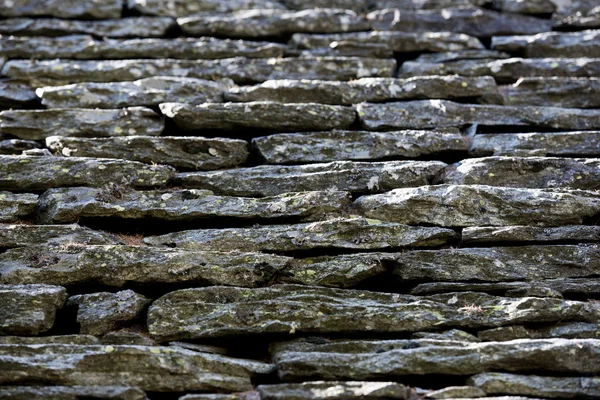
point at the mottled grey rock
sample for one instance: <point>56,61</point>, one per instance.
<point>353,233</point>
<point>582,144</point>
<point>566,330</point>
<point>72,392</point>
<point>150,368</point>
<point>62,339</point>
<point>17,146</point>
<point>457,392</point>
<point>480,205</point>
<point>448,56</point>
<point>40,173</point>
<point>197,153</point>
<point>127,336</point>
<point>200,347</point>
<point>95,9</point>
<point>557,92</point>
<point>344,49</point>
<point>519,6</point>
<point>114,266</point>
<point>381,359</point>
<point>321,390</point>
<point>472,21</point>
<point>37,153</point>
<point>290,309</point>
<point>269,23</point>
<point>452,334</point>
<point>291,148</point>
<point>532,385</point>
<point>249,395</point>
<point>183,8</point>
<point>39,124</point>
<point>575,233</point>
<point>117,28</point>
<point>577,14</point>
<point>29,309</point>
<point>551,44</point>
<point>52,235</point>
<point>441,113</point>
<point>14,206</point>
<point>100,313</point>
<point>365,89</point>
<point>16,95</point>
<point>369,5</point>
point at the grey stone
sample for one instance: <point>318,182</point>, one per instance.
<point>200,347</point>
<point>95,9</point>
<point>447,56</point>
<point>369,5</point>
<point>40,173</point>
<point>321,390</point>
<point>519,6</point>
<point>29,309</point>
<point>62,339</point>
<point>531,234</point>
<point>127,336</point>
<point>183,8</point>
<point>259,115</point>
<point>452,334</point>
<point>557,92</point>
<point>150,368</point>
<point>17,146</point>
<point>52,235</point>
<point>344,49</point>
<point>16,95</point>
<point>115,266</point>
<point>37,153</point>
<point>100,313</point>
<point>249,395</point>
<point>457,392</point>
<point>442,113</point>
<point>14,206</point>
<point>39,124</point>
<point>576,14</point>
<point>480,205</point>
<point>196,153</point>
<point>356,177</point>
<point>551,44</point>
<point>72,393</point>
<point>566,330</point>
<point>270,23</point>
<point>337,145</point>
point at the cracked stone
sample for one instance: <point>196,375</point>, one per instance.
<point>95,9</point>
<point>72,392</point>
<point>322,390</point>
<point>52,235</point>
<point>14,206</point>
<point>531,234</point>
<point>183,8</point>
<point>566,330</point>
<point>551,44</point>
<point>558,92</point>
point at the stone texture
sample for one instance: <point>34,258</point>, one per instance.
<point>440,113</point>
<point>150,368</point>
<point>470,54</point>
<point>576,14</point>
<point>356,177</point>
<point>519,6</point>
<point>557,92</point>
<point>249,395</point>
<point>334,390</point>
<point>369,5</point>
<point>183,8</point>
<point>196,153</point>
<point>40,173</point>
<point>452,334</point>
<point>258,115</point>
<point>95,9</point>
<point>17,146</point>
<point>336,145</point>
<point>531,234</point>
<point>126,336</point>
<point>100,313</point>
<point>566,330</point>
<point>52,235</point>
<point>14,206</point>
<point>457,392</point>
<point>61,339</point>
<point>39,124</point>
<point>72,392</point>
<point>480,205</point>
<point>115,266</point>
<point>29,309</point>
<point>16,95</point>
<point>551,44</point>
<point>292,309</point>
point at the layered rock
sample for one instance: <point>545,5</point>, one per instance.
<point>457,392</point>
<point>15,95</point>
<point>558,92</point>
<point>517,6</point>
<point>183,8</point>
<point>566,330</point>
<point>575,233</point>
<point>333,390</point>
<point>14,206</point>
<point>550,44</point>
<point>52,235</point>
<point>60,339</point>
<point>17,146</point>
<point>577,14</point>
<point>73,392</point>
<point>97,9</point>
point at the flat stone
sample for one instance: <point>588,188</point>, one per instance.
<point>150,368</point>
<point>480,205</point>
<point>272,23</point>
<point>566,330</point>
<point>100,313</point>
<point>52,235</point>
<point>576,14</point>
<point>128,337</point>
<point>550,44</point>
<point>365,89</point>
<point>41,173</point>
<point>62,339</point>
<point>14,206</point>
<point>249,395</point>
<point>470,54</point>
<point>525,172</point>
<point>97,9</point>
<point>344,49</point>
<point>114,266</point>
<point>183,8</point>
<point>258,115</point>
<point>218,311</point>
<point>369,5</point>
<point>29,309</point>
<point>457,392</point>
<point>531,234</point>
<point>558,92</point>
<point>240,69</point>
<point>518,6</point>
<point>117,28</point>
<point>356,177</point>
<point>333,390</point>
<point>582,144</point>
<point>17,146</point>
<point>533,385</point>
<point>441,113</point>
<point>16,95</point>
<point>296,148</point>
<point>39,124</point>
<point>472,21</point>
<point>72,392</point>
<point>200,347</point>
<point>196,153</point>
<point>352,233</point>
<point>383,359</point>
<point>452,334</point>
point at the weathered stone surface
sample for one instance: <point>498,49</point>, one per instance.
<point>380,359</point>
<point>365,89</point>
<point>14,95</point>
<point>39,124</point>
<point>576,13</point>
<point>16,205</point>
<point>519,6</point>
<point>96,9</point>
<point>249,395</point>
<point>354,233</point>
<point>117,28</point>
<point>29,309</point>
<point>128,337</point>
<point>100,313</point>
<point>288,309</point>
<point>568,330</point>
<point>334,390</point>
<point>240,69</point>
<point>62,339</point>
<point>269,23</point>
<point>114,266</point>
<point>532,385</point>
<point>40,173</point>
<point>440,113</point>
<point>156,369</point>
<point>526,172</point>
<point>70,204</point>
<point>52,235</point>
<point>452,334</point>
<point>197,153</point>
<point>472,21</point>
<point>200,347</point>
<point>480,205</point>
<point>291,148</point>
<point>448,56</point>
<point>183,8</point>
<point>558,92</point>
<point>17,146</point>
<point>259,115</point>
<point>369,5</point>
<point>550,44</point>
<point>344,49</point>
<point>574,233</point>
<point>72,392</point>
<point>457,392</point>
<point>582,144</point>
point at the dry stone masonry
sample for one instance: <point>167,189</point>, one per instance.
<point>299,199</point>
